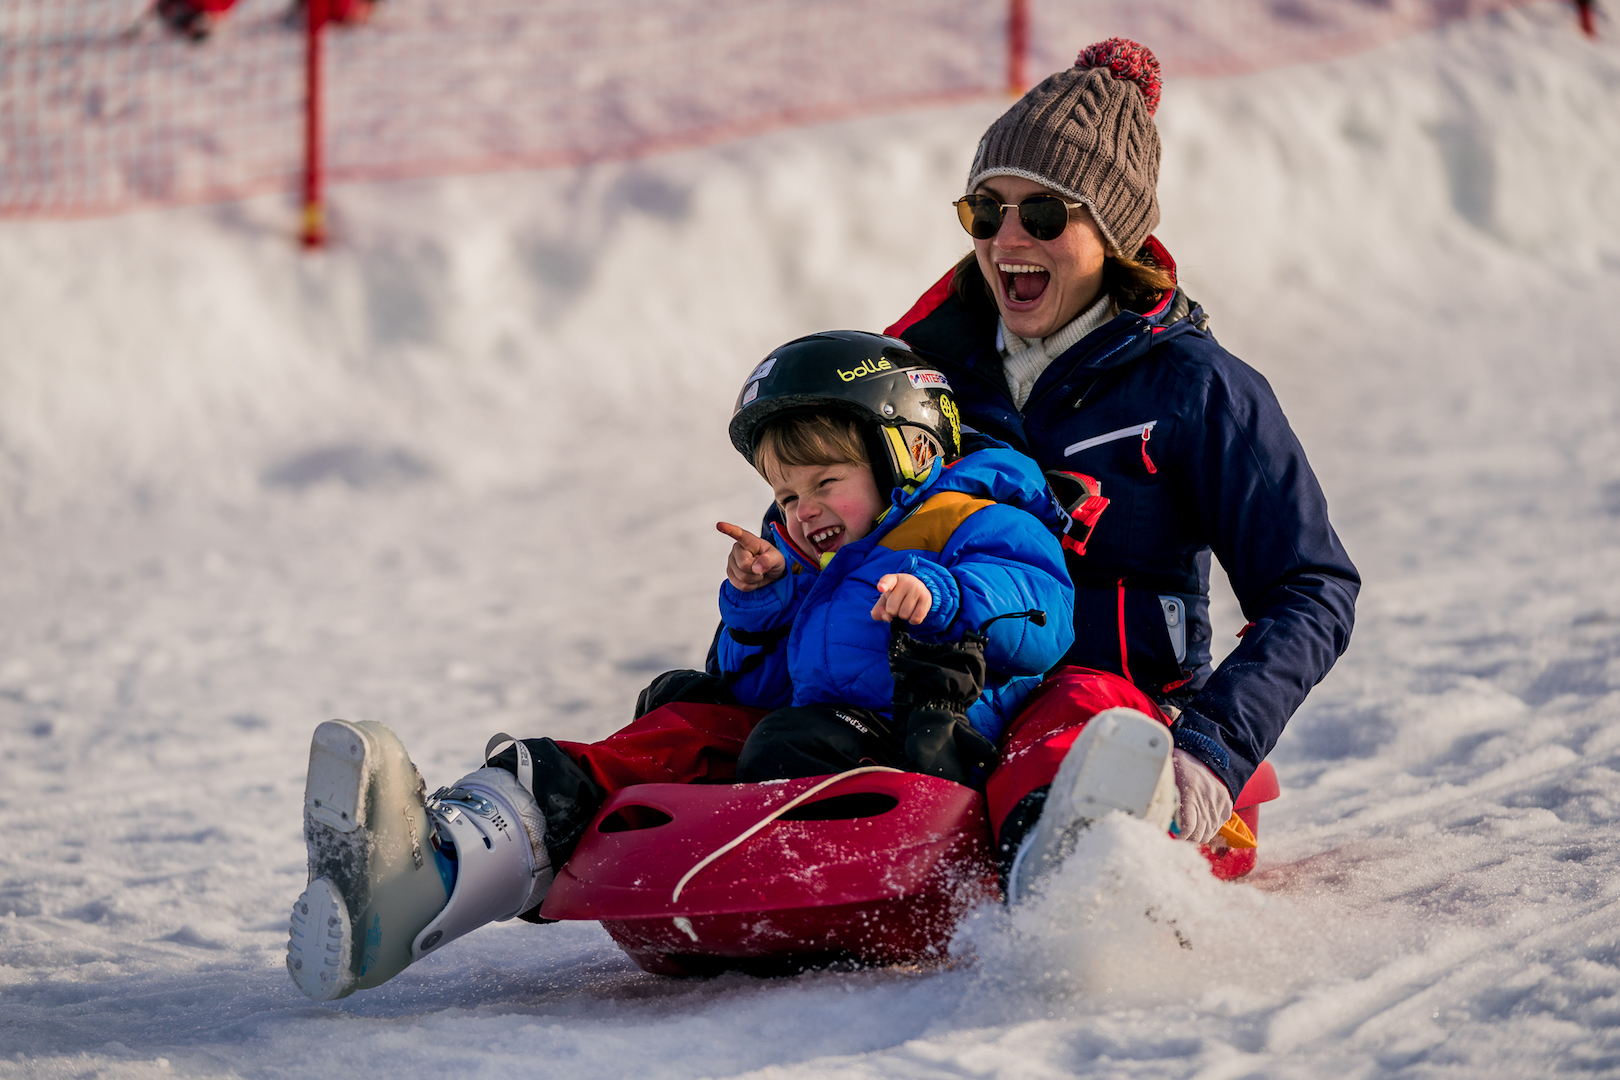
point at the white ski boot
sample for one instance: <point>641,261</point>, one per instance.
<point>392,876</point>
<point>1121,761</point>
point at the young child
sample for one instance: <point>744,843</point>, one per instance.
<point>880,519</point>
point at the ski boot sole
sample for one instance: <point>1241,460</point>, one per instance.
<point>320,942</point>
<point>339,769</point>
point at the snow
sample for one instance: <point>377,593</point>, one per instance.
<point>460,474</point>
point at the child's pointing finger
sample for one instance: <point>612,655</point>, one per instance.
<point>747,539</point>
<point>753,561</point>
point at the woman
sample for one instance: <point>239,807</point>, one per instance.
<point>1065,335</point>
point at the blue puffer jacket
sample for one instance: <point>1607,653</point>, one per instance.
<point>978,533</point>
<point>1195,456</point>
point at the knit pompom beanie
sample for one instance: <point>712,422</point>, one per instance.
<point>1087,133</point>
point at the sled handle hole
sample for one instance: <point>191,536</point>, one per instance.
<point>633,818</point>
<point>857,804</point>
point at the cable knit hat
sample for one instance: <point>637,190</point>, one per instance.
<point>1088,133</point>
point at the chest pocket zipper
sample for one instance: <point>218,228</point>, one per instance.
<point>1135,431</point>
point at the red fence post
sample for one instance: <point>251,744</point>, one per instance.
<point>1017,45</point>
<point>314,232</point>
<point>1586,12</point>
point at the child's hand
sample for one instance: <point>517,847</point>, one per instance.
<point>904,596</point>
<point>753,562</point>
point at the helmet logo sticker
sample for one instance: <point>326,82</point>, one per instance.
<point>762,369</point>
<point>948,407</point>
<point>920,379</point>
<point>863,369</point>
<point>751,393</point>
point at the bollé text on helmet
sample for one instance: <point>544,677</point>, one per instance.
<point>866,367</point>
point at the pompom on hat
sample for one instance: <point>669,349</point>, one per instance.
<point>1129,61</point>
<point>1088,134</point>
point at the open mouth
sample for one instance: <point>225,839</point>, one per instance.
<point>825,540</point>
<point>1023,283</point>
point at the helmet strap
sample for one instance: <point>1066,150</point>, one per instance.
<point>900,455</point>
<point>880,450</point>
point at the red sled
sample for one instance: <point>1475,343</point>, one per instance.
<point>1228,862</point>
<point>872,866</point>
<point>869,867</point>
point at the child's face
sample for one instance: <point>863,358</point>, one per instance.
<point>825,506</point>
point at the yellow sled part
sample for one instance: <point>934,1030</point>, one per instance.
<point>1237,834</point>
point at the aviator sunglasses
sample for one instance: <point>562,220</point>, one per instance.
<point>1043,216</point>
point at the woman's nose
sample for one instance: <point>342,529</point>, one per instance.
<point>1012,232</point>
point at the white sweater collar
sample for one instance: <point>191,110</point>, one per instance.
<point>1023,361</point>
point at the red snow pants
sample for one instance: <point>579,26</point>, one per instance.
<point>680,743</point>
<point>1053,717</point>
<point>687,743</point>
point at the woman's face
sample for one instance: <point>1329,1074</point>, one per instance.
<point>1040,285</point>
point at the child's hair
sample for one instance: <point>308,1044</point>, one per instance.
<point>810,438</point>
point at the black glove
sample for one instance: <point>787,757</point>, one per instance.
<point>934,684</point>
<point>702,688</point>
<point>694,686</point>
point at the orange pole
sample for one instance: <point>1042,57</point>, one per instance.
<point>314,231</point>
<point>1017,45</point>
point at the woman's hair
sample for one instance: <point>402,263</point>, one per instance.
<point>1138,283</point>
<point>1135,284</point>
<point>800,439</point>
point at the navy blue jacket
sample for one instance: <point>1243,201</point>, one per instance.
<point>970,533</point>
<point>1194,455</point>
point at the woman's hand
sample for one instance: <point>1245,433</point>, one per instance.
<point>753,562</point>
<point>903,596</point>
<point>1205,802</point>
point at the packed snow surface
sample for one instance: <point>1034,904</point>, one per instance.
<point>460,474</point>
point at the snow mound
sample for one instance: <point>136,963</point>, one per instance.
<point>1133,920</point>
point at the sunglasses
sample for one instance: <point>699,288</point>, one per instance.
<point>1043,216</point>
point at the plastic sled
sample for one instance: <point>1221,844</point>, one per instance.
<point>868,867</point>
<point>875,867</point>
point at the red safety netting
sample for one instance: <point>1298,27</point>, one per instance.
<point>1230,37</point>
<point>103,108</point>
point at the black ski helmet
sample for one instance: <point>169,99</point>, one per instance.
<point>903,405</point>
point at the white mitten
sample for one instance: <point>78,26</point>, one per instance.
<point>1205,802</point>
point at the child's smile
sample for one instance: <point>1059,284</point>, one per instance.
<point>826,539</point>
